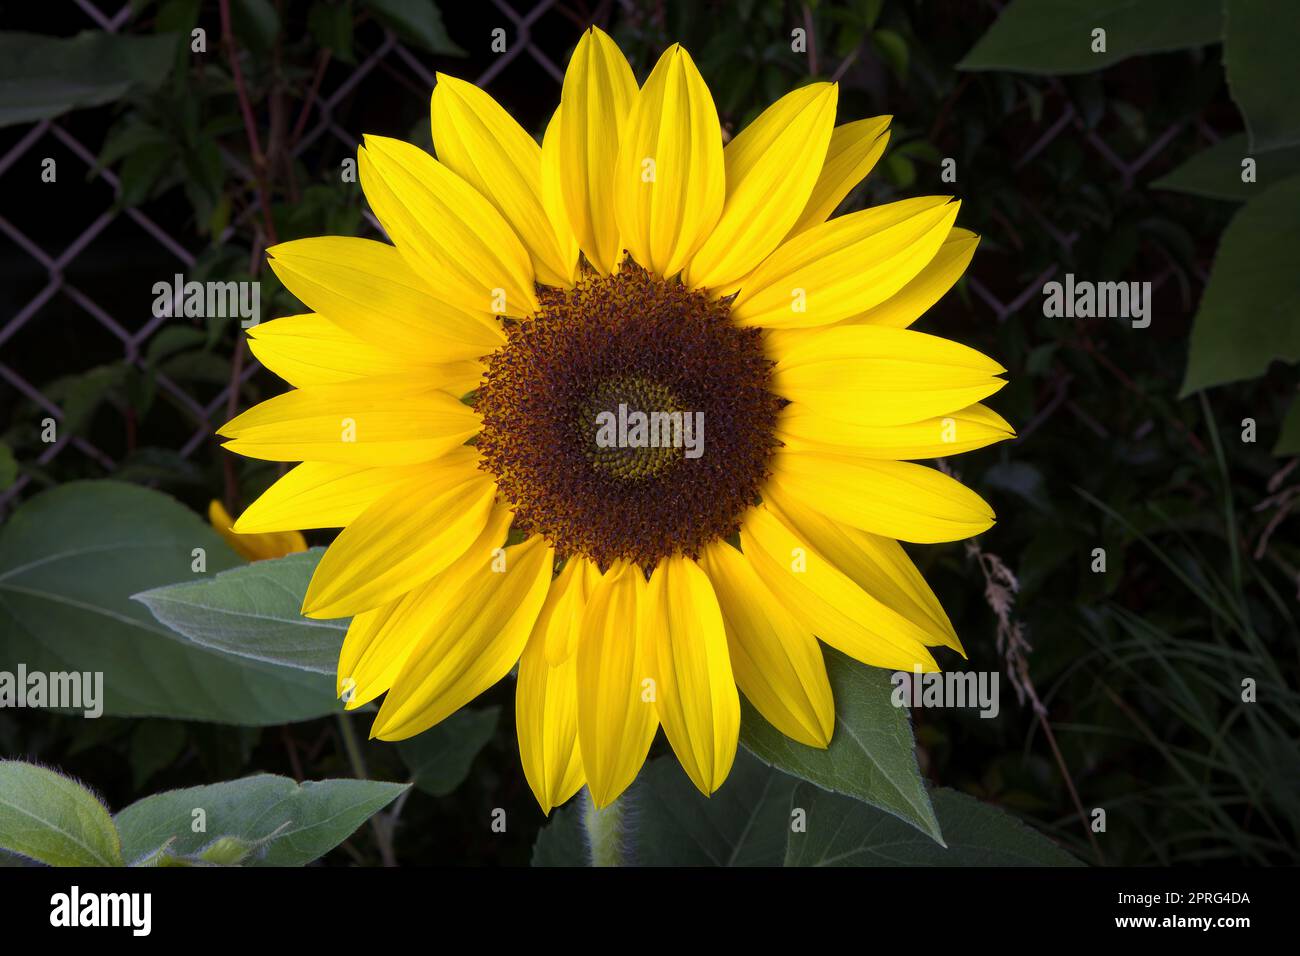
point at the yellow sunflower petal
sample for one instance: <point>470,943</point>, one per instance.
<point>844,266</point>
<point>572,585</point>
<point>695,692</point>
<point>896,499</point>
<point>404,538</point>
<point>367,288</point>
<point>854,149</point>
<point>470,643</point>
<point>827,600</point>
<point>311,350</point>
<point>446,229</point>
<point>871,375</point>
<point>776,659</point>
<point>320,495</point>
<point>878,565</point>
<point>546,705</point>
<point>480,142</point>
<point>915,299</point>
<point>670,179</point>
<point>391,421</point>
<point>771,168</point>
<point>616,711</point>
<point>553,194</point>
<point>594,105</point>
<point>254,547</point>
<point>379,641</point>
<point>963,430</point>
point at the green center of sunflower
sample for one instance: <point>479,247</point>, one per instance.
<point>629,418</point>
<point>634,458</point>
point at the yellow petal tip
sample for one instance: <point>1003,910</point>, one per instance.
<point>310,607</point>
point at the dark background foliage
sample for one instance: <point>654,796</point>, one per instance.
<point>1122,688</point>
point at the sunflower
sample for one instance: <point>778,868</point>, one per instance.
<point>448,391</point>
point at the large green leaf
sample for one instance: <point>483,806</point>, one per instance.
<point>42,77</point>
<point>843,832</point>
<point>253,611</point>
<point>1259,54</point>
<point>71,558</point>
<point>872,754</point>
<point>50,818</point>
<point>1216,172</point>
<point>1055,36</point>
<point>440,757</point>
<point>287,823</point>
<point>1247,316</point>
<point>745,823</point>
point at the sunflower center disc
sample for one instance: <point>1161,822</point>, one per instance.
<point>636,456</point>
<point>629,418</point>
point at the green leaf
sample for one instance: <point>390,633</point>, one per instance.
<point>43,77</point>
<point>128,136</point>
<point>71,558</point>
<point>900,170</point>
<point>893,50</point>
<point>1247,314</point>
<point>171,339</point>
<point>81,395</point>
<point>418,21</point>
<point>1288,441</point>
<point>872,755</point>
<point>255,22</point>
<point>440,758</point>
<point>8,466</point>
<point>53,819</point>
<point>843,832</point>
<point>563,841</point>
<point>745,823</point>
<point>291,823</point>
<point>1216,172</point>
<point>331,25</point>
<point>1021,479</point>
<point>227,851</point>
<point>253,611</point>
<point>1259,57</point>
<point>1055,36</point>
<point>178,16</point>
<point>144,172</point>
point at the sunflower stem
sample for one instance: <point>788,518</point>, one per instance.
<point>357,760</point>
<point>606,831</point>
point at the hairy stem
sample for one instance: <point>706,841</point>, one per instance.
<point>606,832</point>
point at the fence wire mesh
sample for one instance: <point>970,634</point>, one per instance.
<point>393,56</point>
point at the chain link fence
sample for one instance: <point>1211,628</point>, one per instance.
<point>392,55</point>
